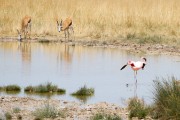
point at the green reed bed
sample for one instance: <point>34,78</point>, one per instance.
<point>137,108</point>
<point>167,99</point>
<point>44,88</point>
<point>84,91</point>
<point>10,88</point>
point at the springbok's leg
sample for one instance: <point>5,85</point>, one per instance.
<point>72,29</point>
<point>68,33</point>
<point>29,29</point>
<point>65,34</point>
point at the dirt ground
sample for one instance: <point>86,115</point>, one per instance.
<point>72,110</point>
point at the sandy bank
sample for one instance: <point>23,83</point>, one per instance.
<point>73,110</point>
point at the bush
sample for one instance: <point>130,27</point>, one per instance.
<point>167,99</point>
<point>47,88</point>
<point>84,91</point>
<point>12,88</point>
<point>46,112</point>
<point>29,89</point>
<point>103,116</point>
<point>16,110</point>
<point>8,116</point>
<point>137,108</point>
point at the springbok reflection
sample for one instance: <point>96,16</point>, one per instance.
<point>70,67</point>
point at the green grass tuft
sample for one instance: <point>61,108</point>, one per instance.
<point>46,88</point>
<point>103,116</point>
<point>8,116</point>
<point>16,110</point>
<point>84,91</point>
<point>167,99</point>
<point>12,88</point>
<point>48,111</point>
<point>137,108</point>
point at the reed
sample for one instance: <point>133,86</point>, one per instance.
<point>102,19</point>
<point>46,111</point>
<point>137,108</point>
<point>10,88</point>
<point>167,99</point>
<point>44,88</point>
<point>84,91</point>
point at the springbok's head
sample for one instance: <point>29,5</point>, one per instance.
<point>59,26</point>
<point>19,35</point>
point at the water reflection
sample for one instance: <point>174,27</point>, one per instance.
<point>70,67</point>
<point>11,92</point>
<point>25,50</point>
<point>44,95</point>
<point>82,99</point>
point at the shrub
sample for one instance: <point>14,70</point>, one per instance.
<point>103,116</point>
<point>61,91</point>
<point>137,108</point>
<point>46,112</point>
<point>8,116</point>
<point>12,88</point>
<point>16,110</point>
<point>47,88</point>
<point>29,89</point>
<point>167,99</point>
<point>84,91</point>
<point>1,88</point>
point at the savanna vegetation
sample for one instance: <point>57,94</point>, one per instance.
<point>167,99</point>
<point>48,111</point>
<point>84,91</point>
<point>140,21</point>
<point>10,88</point>
<point>44,88</point>
<point>166,104</point>
<point>105,116</point>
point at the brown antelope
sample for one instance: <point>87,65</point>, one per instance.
<point>65,26</point>
<point>25,27</point>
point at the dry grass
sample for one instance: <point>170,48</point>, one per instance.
<point>104,19</point>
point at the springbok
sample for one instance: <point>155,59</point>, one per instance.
<point>65,26</point>
<point>25,27</point>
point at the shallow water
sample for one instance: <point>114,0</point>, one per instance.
<point>72,67</point>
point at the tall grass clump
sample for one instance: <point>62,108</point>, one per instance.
<point>12,88</point>
<point>8,116</point>
<point>16,110</point>
<point>137,108</point>
<point>84,91</point>
<point>104,116</point>
<point>167,99</point>
<point>44,88</point>
<point>47,111</point>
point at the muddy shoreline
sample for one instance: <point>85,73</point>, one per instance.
<point>72,110</point>
<point>129,46</point>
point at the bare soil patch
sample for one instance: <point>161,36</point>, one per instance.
<point>72,110</point>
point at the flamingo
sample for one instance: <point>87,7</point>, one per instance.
<point>135,67</point>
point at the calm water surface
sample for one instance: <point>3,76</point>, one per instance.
<point>72,67</point>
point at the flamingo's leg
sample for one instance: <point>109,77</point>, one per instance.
<point>135,92</point>
<point>136,76</point>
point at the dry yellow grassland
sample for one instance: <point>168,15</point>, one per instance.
<point>158,20</point>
